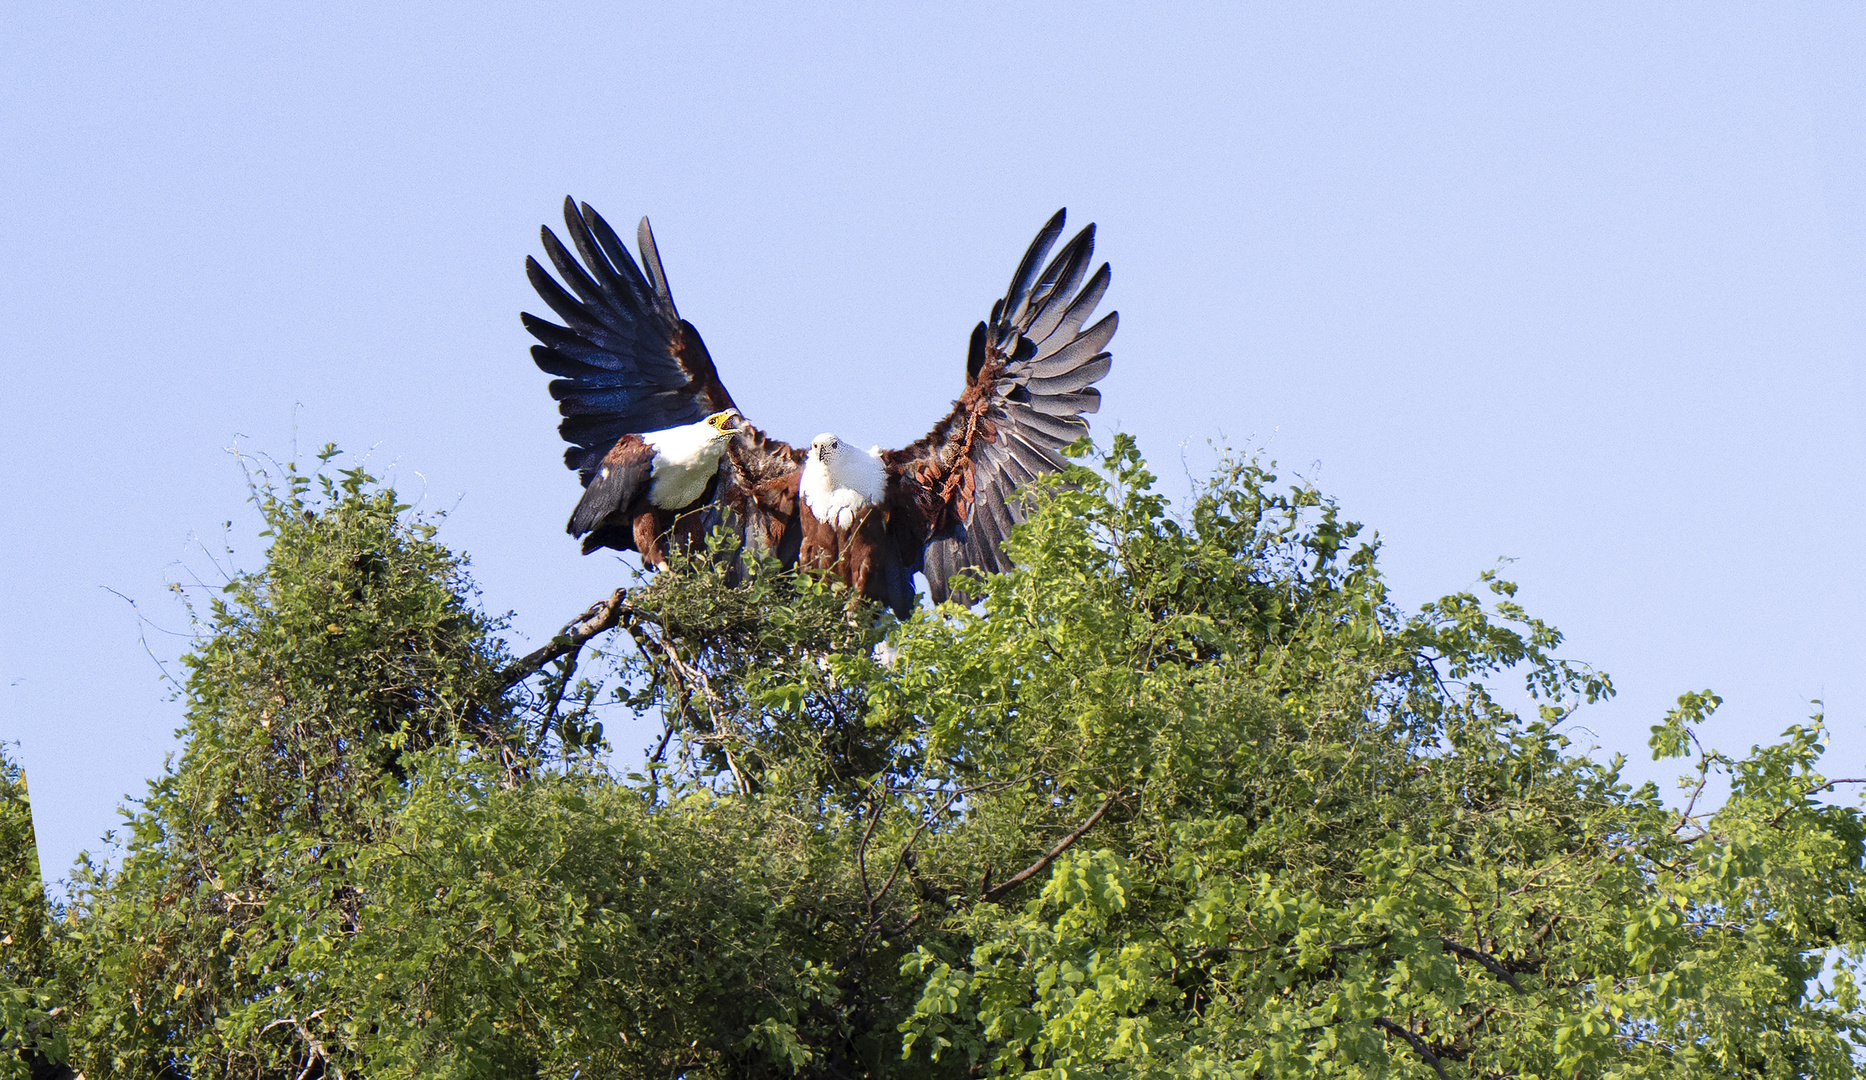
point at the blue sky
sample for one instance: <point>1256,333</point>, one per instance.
<point>1579,285</point>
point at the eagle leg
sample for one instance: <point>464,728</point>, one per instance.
<point>648,540</point>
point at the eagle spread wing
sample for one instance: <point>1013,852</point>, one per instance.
<point>1029,377</point>
<point>629,365</point>
<point>627,362</point>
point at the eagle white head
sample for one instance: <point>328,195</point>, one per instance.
<point>686,457</point>
<point>840,481</point>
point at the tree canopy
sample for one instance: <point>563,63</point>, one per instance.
<point>30,1039</point>
<point>1183,794</point>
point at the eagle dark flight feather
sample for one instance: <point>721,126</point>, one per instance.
<point>628,363</point>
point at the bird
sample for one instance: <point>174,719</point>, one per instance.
<point>651,486</point>
<point>665,455</point>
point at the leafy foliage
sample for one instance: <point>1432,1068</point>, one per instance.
<point>1183,796</point>
<point>30,1040</point>
<point>355,645</point>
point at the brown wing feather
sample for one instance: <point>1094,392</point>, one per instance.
<point>702,377</point>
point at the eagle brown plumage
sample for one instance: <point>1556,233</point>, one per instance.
<point>631,371</point>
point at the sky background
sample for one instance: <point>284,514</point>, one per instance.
<point>1577,285</point>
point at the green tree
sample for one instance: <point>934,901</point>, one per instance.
<point>1182,796</point>
<point>355,645</point>
<point>31,1043</point>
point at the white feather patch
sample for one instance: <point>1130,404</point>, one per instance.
<point>685,458</point>
<point>839,481</point>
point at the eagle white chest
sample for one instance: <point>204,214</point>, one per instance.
<point>685,459</point>
<point>839,482</point>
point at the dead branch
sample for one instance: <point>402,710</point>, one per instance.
<point>602,615</point>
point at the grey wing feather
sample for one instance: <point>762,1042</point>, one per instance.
<point>1046,368</point>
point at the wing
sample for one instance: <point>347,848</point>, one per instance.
<point>622,474</point>
<point>627,362</point>
<point>1029,377</point>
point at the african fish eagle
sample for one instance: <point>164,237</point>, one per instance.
<point>664,454</point>
<point>653,484</point>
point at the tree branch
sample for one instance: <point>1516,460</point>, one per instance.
<point>557,696</point>
<point>904,857</point>
<point>602,615</point>
<point>1418,1044</point>
<point>1049,857</point>
<point>1496,967</point>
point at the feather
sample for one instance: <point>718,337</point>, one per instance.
<point>621,478</point>
<point>651,263</point>
<point>1027,269</point>
<point>1083,375</point>
<point>1033,462</point>
<point>593,430</point>
<point>975,355</point>
<point>617,401</point>
<point>639,291</point>
<point>1081,308</point>
<point>573,273</point>
<point>577,347</point>
<point>702,377</point>
<point>1076,352</point>
<point>598,379</point>
<point>1035,456</point>
<point>583,460</point>
<point>1016,474</point>
<point>556,363</point>
<point>1000,515</point>
<point>1087,401</point>
<point>567,307</point>
<point>1059,430</point>
<point>1059,282</point>
<point>616,290</point>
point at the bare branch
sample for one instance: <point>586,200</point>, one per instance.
<point>602,615</point>
<point>141,622</point>
<point>1049,857</point>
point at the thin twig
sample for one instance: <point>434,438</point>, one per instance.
<point>557,697</point>
<point>1704,763</point>
<point>861,850</point>
<point>874,921</point>
<point>143,638</point>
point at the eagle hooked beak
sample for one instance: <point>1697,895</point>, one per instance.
<point>729,420</point>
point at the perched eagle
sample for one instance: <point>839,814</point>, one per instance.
<point>664,454</point>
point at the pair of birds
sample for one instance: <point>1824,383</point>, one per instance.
<point>665,455</point>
